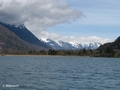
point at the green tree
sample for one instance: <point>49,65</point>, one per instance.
<point>84,51</point>
<point>108,50</point>
<point>52,52</point>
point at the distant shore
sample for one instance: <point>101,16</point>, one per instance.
<point>46,55</point>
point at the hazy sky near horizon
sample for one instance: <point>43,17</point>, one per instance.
<point>68,20</point>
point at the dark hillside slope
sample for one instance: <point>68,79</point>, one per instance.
<point>10,41</point>
<point>116,43</point>
<point>113,45</point>
<point>22,32</point>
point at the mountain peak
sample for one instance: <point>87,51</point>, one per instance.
<point>22,26</point>
<point>59,44</point>
<point>23,33</point>
<point>116,43</point>
<point>112,45</point>
<point>117,40</point>
<point>10,41</point>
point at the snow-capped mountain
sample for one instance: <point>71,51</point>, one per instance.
<point>23,33</point>
<point>70,45</point>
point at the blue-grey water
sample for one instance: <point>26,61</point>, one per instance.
<point>59,73</point>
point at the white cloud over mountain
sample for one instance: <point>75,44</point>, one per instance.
<point>73,39</point>
<point>37,15</point>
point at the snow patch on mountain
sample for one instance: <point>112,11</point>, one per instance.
<point>21,26</point>
<point>70,45</point>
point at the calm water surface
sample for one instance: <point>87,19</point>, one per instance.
<point>59,73</point>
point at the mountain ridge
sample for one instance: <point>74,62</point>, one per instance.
<point>10,41</point>
<point>112,45</point>
<point>73,46</point>
<point>23,33</point>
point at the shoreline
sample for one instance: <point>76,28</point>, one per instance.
<point>28,55</point>
<point>9,55</point>
<point>47,55</point>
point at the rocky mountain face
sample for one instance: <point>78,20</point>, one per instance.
<point>10,41</point>
<point>71,46</point>
<point>112,45</point>
<point>116,43</point>
<point>23,33</point>
<point>19,37</point>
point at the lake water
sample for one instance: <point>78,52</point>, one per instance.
<point>59,73</point>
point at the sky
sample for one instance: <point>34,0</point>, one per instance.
<point>81,21</point>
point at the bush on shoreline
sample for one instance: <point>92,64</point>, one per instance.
<point>82,52</point>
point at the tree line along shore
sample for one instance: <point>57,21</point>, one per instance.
<point>83,52</point>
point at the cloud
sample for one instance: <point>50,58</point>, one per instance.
<point>72,39</point>
<point>37,15</point>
